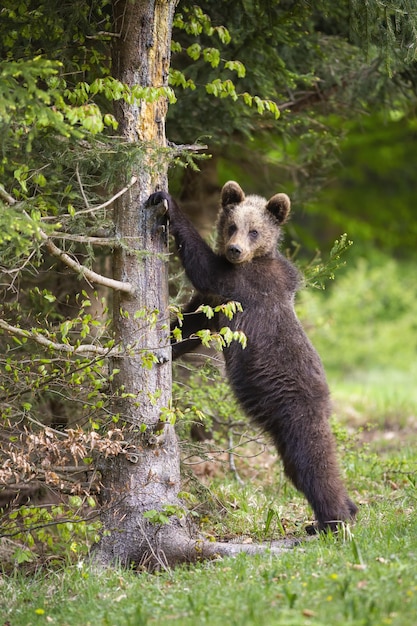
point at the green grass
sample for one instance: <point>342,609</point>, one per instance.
<point>366,577</point>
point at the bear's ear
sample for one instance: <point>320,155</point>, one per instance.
<point>231,193</point>
<point>280,206</point>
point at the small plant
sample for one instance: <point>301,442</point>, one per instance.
<point>51,533</point>
<point>318,272</point>
<point>162,517</point>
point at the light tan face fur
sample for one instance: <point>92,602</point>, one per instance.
<point>246,227</point>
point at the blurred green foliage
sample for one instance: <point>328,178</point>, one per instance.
<point>372,192</point>
<point>367,319</point>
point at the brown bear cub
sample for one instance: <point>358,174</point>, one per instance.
<point>278,378</point>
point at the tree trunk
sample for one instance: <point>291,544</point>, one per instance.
<point>147,478</point>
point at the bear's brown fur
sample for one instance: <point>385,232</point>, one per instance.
<point>278,378</point>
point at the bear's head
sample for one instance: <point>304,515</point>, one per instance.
<point>249,226</point>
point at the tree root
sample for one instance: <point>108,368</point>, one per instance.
<point>171,545</point>
<point>215,549</point>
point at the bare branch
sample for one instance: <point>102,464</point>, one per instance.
<point>60,433</point>
<point>6,196</point>
<point>133,180</point>
<point>15,272</point>
<point>100,33</point>
<point>93,241</point>
<point>232,462</point>
<point>81,187</point>
<point>186,147</point>
<point>47,343</point>
<point>10,200</point>
<point>69,261</point>
<point>81,269</point>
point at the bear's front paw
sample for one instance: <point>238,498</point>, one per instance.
<point>158,198</point>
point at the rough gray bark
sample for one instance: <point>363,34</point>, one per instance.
<point>148,477</point>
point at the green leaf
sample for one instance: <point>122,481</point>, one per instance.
<point>236,66</point>
<point>21,555</point>
<point>75,501</point>
<point>194,51</point>
<point>212,56</point>
<point>207,310</point>
<point>223,34</point>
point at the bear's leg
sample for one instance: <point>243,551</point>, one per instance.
<point>310,462</point>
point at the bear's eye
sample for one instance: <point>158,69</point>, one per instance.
<point>232,229</point>
<point>253,234</point>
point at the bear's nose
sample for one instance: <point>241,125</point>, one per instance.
<point>234,251</point>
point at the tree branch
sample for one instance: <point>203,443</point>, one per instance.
<point>69,261</point>
<point>92,241</point>
<point>6,196</point>
<point>81,187</point>
<point>81,269</point>
<point>60,347</point>
<point>133,180</point>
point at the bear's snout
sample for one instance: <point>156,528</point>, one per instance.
<point>233,253</point>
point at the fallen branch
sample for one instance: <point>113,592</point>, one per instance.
<point>209,549</point>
